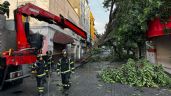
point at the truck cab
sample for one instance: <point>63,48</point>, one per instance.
<point>10,74</point>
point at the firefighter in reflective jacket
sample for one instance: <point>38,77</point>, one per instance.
<point>4,8</point>
<point>39,69</point>
<point>65,66</point>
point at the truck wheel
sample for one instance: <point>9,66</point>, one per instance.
<point>2,81</point>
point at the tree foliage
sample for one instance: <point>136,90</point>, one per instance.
<point>128,20</point>
<point>140,73</point>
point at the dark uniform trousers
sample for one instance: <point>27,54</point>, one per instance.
<point>65,66</point>
<point>39,69</point>
<point>65,80</point>
<point>40,82</point>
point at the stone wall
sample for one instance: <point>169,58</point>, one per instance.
<point>7,37</point>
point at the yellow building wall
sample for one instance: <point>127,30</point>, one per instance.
<point>92,29</point>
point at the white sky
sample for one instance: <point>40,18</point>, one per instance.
<point>100,15</point>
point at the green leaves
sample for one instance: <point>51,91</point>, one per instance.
<point>130,22</point>
<point>140,73</point>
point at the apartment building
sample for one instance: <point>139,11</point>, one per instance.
<point>92,29</point>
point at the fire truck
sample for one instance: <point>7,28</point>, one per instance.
<point>29,44</point>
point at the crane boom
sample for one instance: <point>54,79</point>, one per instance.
<point>27,56</point>
<point>43,15</point>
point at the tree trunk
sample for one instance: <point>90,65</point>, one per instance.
<point>139,50</point>
<point>116,51</point>
<point>127,51</point>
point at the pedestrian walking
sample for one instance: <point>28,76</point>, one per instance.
<point>39,70</point>
<point>65,67</point>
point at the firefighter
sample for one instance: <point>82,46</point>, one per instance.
<point>39,70</point>
<point>65,67</point>
<point>4,8</point>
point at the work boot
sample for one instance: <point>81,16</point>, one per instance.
<point>70,84</point>
<point>63,91</point>
<point>40,94</point>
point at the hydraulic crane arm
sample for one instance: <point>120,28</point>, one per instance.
<point>22,56</point>
<point>42,15</point>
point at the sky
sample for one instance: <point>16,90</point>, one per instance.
<point>100,15</point>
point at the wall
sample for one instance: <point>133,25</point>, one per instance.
<point>159,51</point>
<point>48,33</point>
<point>7,38</point>
<point>164,51</point>
<point>92,30</point>
<point>151,51</point>
<point>76,6</point>
<point>85,17</point>
<point>64,8</point>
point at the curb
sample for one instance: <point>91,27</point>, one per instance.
<point>78,65</point>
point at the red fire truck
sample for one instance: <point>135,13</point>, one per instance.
<point>29,44</point>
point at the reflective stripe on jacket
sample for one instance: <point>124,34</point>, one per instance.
<point>39,68</point>
<point>65,65</point>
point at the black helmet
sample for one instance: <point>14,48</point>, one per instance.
<point>6,3</point>
<point>64,51</point>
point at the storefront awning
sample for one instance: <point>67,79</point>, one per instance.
<point>62,38</point>
<point>156,28</point>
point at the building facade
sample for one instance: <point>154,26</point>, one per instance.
<point>70,9</point>
<point>92,29</point>
<point>85,17</point>
<point>158,45</point>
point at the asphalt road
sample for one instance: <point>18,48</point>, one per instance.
<point>85,82</point>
